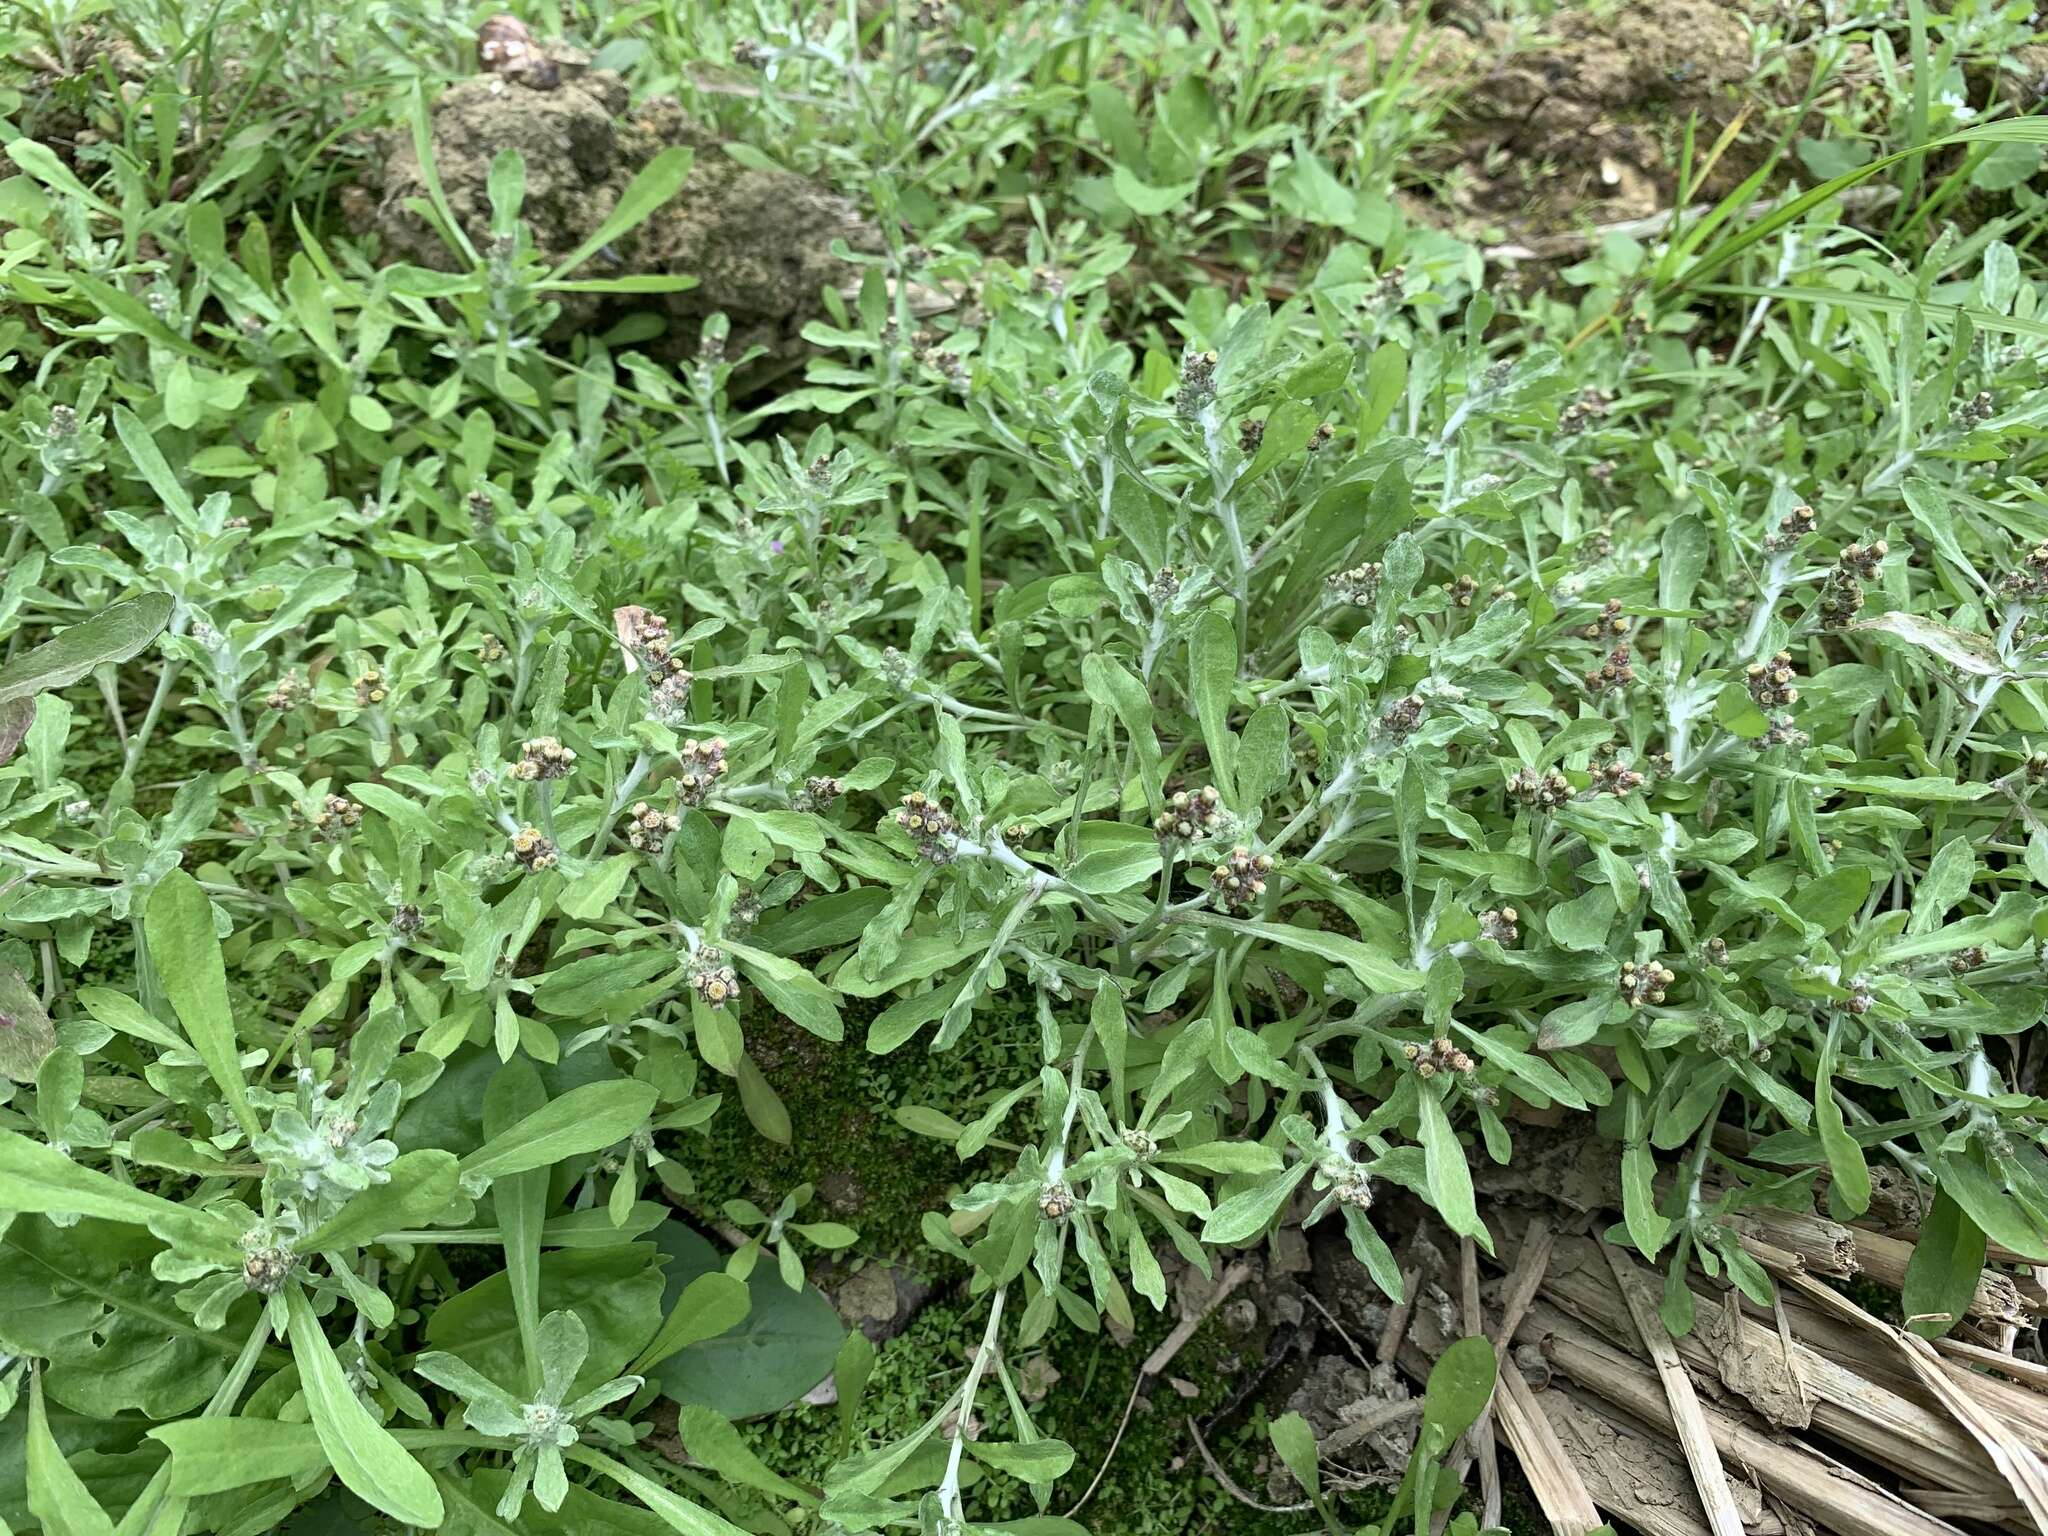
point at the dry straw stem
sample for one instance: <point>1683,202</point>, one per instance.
<point>1832,1495</point>
<point>1809,1388</point>
<point>2014,1459</point>
<point>1523,1281</point>
<point>1695,1436</point>
<point>1554,1476</point>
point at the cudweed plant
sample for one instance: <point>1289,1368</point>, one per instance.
<point>444,764</point>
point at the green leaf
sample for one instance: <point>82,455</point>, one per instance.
<point>1990,1205</point>
<point>657,181</point>
<point>1583,922</point>
<point>783,1347</point>
<point>1212,676</point>
<point>711,1304</point>
<point>421,1187</point>
<point>39,1178</point>
<point>614,1292</point>
<point>585,1119</point>
<point>1038,1462</point>
<point>1146,200</point>
<point>1296,1443</point>
<point>1448,1175</point>
<point>1945,1270</point>
<point>26,1036</point>
<point>57,1496</point>
<point>115,634</point>
<point>82,1298</point>
<point>1246,1214</point>
<point>370,1463</point>
<point>679,1514</point>
<point>1836,897</point>
<point>795,992</point>
<point>711,1438</point>
<point>1375,970</point>
<point>178,926</point>
<point>1459,1388</point>
<point>589,985</point>
<point>1844,1154</point>
<point>220,1455</point>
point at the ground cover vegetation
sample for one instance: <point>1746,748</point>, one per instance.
<point>665,665</point>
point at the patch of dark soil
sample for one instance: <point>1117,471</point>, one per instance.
<point>1582,123</point>
<point>757,240</point>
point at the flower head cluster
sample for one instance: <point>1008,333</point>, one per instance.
<point>1404,716</point>
<point>1359,586</point>
<point>1055,1201</point>
<point>1975,411</point>
<point>1189,816</point>
<point>1617,671</point>
<point>1462,590</point>
<point>645,636</point>
<point>930,825</point>
<point>336,817</point>
<point>648,827</point>
<point>1197,383</point>
<point>542,759</point>
<point>286,693</point>
<point>1539,791</point>
<point>820,791</point>
<point>702,766</point>
<point>537,1431</point>
<point>267,1269</point>
<point>1841,592</point>
<point>1792,527</point>
<point>1612,624</point>
<point>1966,960</point>
<point>1647,983</point>
<point>1588,407</point>
<point>1501,924</point>
<point>713,978</point>
<point>1782,732</point>
<point>1439,1055</point>
<point>1240,880</point>
<point>1614,777</point>
<point>2029,582</point>
<point>370,689</point>
<point>534,850</point>
<point>1771,683</point>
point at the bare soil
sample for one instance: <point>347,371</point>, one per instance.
<point>758,241</point>
<point>1582,123</point>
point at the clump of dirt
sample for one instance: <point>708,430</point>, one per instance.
<point>758,241</point>
<point>1581,122</point>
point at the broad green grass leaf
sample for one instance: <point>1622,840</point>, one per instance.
<point>1448,1175</point>
<point>114,635</point>
<point>178,924</point>
<point>1945,1270</point>
<point>56,1494</point>
<point>219,1455</point>
<point>795,992</point>
<point>370,1463</point>
<point>1844,1154</point>
<point>585,1119</point>
<point>655,183</point>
